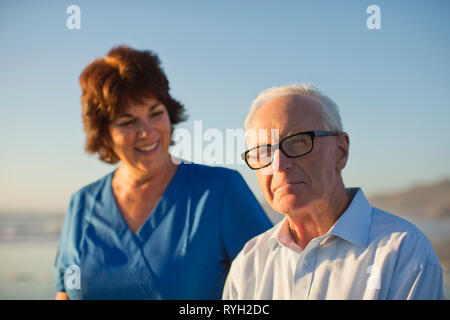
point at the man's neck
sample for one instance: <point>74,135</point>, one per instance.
<point>317,219</point>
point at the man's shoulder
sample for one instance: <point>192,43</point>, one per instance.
<point>401,235</point>
<point>388,222</point>
<point>259,246</point>
<point>385,223</point>
<point>248,266</point>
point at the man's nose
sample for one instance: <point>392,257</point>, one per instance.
<point>280,162</point>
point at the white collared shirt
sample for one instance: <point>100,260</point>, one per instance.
<point>367,254</point>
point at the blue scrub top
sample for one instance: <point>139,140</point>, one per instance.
<point>182,251</point>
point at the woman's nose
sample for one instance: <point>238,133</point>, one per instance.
<point>144,128</point>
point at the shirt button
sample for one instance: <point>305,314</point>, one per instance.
<point>305,263</point>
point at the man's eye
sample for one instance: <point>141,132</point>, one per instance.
<point>302,140</point>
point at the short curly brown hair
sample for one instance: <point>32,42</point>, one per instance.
<point>111,83</point>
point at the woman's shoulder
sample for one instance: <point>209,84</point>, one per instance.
<point>213,174</point>
<point>92,189</point>
<point>208,171</point>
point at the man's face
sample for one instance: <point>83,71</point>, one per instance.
<point>290,184</point>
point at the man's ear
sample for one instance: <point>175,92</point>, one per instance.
<point>343,150</point>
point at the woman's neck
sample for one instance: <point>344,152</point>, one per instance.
<point>132,178</point>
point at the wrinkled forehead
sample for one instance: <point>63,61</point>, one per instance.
<point>283,116</point>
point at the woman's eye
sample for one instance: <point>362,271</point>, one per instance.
<point>157,113</point>
<point>126,123</point>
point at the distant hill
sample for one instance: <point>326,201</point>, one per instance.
<point>428,201</point>
<point>420,201</point>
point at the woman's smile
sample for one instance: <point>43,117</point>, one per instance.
<point>148,149</point>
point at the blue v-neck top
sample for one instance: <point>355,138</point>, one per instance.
<point>182,251</point>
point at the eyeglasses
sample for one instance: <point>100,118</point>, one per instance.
<point>293,146</point>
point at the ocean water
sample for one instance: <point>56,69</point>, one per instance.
<point>28,248</point>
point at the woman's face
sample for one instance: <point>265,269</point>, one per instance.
<point>141,136</point>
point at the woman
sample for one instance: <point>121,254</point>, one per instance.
<point>151,229</point>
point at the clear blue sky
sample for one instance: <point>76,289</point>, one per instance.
<point>393,84</point>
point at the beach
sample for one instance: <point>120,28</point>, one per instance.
<point>26,270</point>
<point>28,248</point>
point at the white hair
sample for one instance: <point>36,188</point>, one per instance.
<point>330,109</point>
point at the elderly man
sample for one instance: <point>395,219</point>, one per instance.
<point>332,244</point>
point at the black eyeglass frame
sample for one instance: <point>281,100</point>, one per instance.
<point>279,145</point>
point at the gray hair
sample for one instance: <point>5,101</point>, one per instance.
<point>329,108</point>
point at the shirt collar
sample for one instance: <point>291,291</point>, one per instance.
<point>273,241</point>
<point>353,225</point>
<point>282,236</point>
